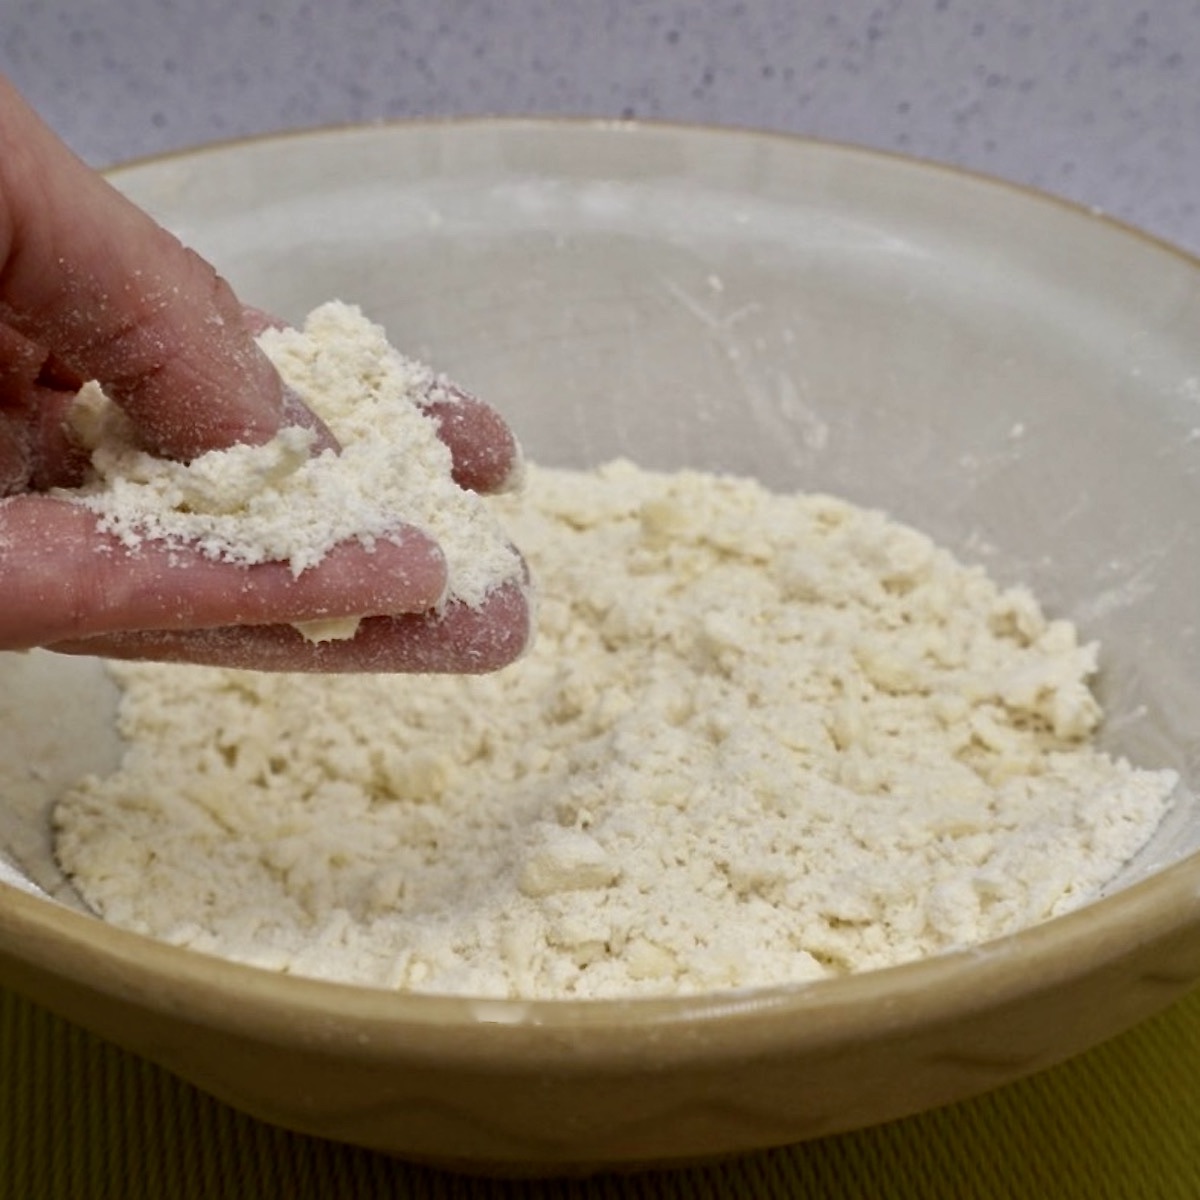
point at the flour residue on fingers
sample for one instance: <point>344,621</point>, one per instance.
<point>295,497</point>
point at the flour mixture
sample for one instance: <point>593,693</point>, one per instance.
<point>288,500</point>
<point>760,738</point>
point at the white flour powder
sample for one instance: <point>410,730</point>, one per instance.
<point>760,738</point>
<point>283,502</point>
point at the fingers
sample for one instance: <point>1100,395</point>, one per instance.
<point>36,450</point>
<point>486,455</point>
<point>66,580</point>
<point>458,639</point>
<point>125,304</point>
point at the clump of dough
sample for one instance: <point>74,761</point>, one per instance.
<point>761,738</point>
<point>282,502</point>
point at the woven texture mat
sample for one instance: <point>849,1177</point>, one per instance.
<point>80,1119</point>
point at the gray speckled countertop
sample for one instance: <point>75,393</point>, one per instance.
<point>1096,100</point>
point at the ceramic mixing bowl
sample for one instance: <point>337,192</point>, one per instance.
<point>1017,377</point>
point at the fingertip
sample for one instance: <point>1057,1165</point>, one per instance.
<point>485,454</point>
<point>458,638</point>
<point>406,571</point>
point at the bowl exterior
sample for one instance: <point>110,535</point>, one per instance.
<point>574,1088</point>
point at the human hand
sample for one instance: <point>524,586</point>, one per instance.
<point>92,288</point>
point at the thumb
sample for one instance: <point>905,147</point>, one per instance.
<point>89,276</point>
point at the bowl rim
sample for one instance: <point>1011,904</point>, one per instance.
<point>288,1009</point>
<point>648,126</point>
<point>292,1009</point>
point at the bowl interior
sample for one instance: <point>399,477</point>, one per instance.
<point>1015,377</point>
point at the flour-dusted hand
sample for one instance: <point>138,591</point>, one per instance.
<point>92,289</point>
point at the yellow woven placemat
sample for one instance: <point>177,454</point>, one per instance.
<point>81,1119</point>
